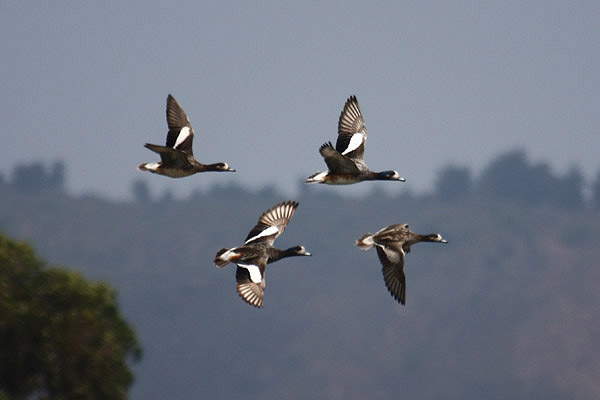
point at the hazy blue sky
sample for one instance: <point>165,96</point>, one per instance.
<point>438,82</point>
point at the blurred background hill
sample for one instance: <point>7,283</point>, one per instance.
<point>508,309</point>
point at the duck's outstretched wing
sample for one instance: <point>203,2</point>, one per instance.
<point>272,223</point>
<point>181,133</point>
<point>336,162</point>
<point>352,133</point>
<point>392,261</point>
<point>251,284</point>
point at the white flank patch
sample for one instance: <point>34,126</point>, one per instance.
<point>184,133</point>
<point>355,142</point>
<point>391,255</point>
<point>320,177</point>
<point>229,253</point>
<point>152,166</point>
<point>272,230</point>
<point>255,275</point>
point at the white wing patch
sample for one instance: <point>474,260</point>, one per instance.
<point>254,271</point>
<point>184,133</point>
<point>355,142</point>
<point>391,255</point>
<point>272,230</point>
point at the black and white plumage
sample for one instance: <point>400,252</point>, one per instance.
<point>258,251</point>
<point>177,157</point>
<point>392,244</point>
<point>345,162</point>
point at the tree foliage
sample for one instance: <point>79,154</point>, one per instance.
<point>60,335</point>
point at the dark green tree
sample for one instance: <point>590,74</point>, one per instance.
<point>61,336</point>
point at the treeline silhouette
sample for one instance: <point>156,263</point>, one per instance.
<point>510,176</point>
<point>37,177</point>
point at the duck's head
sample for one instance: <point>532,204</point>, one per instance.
<point>223,167</point>
<point>299,251</point>
<point>436,237</point>
<point>391,176</point>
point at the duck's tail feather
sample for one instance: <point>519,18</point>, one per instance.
<point>221,260</point>
<point>318,177</point>
<point>365,242</point>
<point>152,167</point>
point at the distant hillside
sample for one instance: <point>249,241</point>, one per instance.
<point>507,309</point>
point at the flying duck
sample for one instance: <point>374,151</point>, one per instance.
<point>258,251</point>
<point>345,162</point>
<point>392,243</point>
<point>177,158</point>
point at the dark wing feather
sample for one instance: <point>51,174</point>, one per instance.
<point>252,293</point>
<point>336,162</point>
<point>177,120</point>
<point>170,157</point>
<point>393,273</point>
<point>276,217</point>
<point>350,123</point>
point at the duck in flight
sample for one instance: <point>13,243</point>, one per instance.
<point>392,244</point>
<point>345,162</point>
<point>258,251</point>
<point>177,157</point>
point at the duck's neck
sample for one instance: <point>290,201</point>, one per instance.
<point>383,176</point>
<point>276,254</point>
<point>416,238</point>
<point>210,167</point>
<point>432,237</point>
